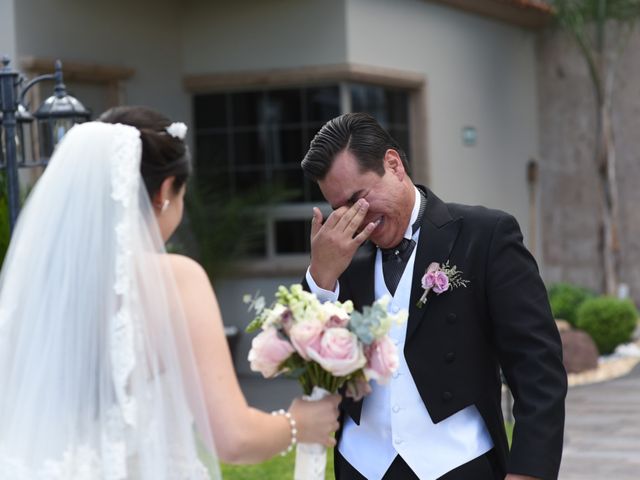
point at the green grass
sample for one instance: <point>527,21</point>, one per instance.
<point>508,426</point>
<point>278,468</point>
<point>281,468</point>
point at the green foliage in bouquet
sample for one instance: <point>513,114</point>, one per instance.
<point>608,320</point>
<point>566,298</point>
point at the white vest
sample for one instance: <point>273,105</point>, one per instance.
<point>394,420</point>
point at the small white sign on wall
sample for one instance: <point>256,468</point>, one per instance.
<point>469,136</point>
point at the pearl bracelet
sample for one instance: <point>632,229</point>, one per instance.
<point>294,430</point>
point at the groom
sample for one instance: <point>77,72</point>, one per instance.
<point>440,416</point>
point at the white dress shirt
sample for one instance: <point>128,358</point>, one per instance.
<point>394,420</point>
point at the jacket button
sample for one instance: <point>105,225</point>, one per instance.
<point>450,357</point>
<point>451,318</point>
<point>446,396</point>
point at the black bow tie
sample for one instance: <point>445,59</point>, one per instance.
<point>400,252</point>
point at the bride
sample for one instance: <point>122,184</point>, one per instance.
<point>113,359</point>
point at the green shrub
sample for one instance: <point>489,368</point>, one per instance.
<point>608,320</point>
<point>565,299</point>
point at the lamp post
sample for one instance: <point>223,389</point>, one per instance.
<point>55,117</point>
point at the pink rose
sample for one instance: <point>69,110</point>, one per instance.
<point>357,388</point>
<point>382,357</point>
<point>441,282</point>
<point>340,353</point>
<point>268,351</point>
<point>429,278</point>
<point>305,335</point>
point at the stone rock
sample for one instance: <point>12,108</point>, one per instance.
<point>579,351</point>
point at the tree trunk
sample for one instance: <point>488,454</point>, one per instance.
<point>607,176</point>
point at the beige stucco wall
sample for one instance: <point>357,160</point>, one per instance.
<point>570,190</point>
<point>7,29</point>
<point>479,72</point>
<point>256,34</point>
<point>144,35</point>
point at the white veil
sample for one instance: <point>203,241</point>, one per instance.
<point>97,375</point>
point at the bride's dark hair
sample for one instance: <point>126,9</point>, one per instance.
<point>162,154</point>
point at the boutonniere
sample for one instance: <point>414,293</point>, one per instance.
<point>440,278</point>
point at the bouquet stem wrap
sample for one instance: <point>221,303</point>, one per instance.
<point>311,458</point>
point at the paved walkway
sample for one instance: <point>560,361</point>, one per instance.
<point>602,434</point>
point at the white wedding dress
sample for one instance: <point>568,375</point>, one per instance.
<point>97,375</point>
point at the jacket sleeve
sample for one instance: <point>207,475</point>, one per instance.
<point>529,351</point>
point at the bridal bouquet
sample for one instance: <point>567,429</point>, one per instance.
<point>325,346</point>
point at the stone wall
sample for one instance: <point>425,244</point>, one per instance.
<point>569,189</point>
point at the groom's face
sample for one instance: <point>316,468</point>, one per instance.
<point>390,196</point>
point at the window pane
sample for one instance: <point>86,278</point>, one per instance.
<point>323,103</point>
<point>249,148</point>
<point>212,152</point>
<point>313,191</point>
<point>388,106</point>
<point>210,111</point>
<point>368,98</point>
<point>292,182</point>
<point>283,106</point>
<point>287,147</point>
<point>292,236</point>
<point>249,180</point>
<point>245,108</point>
<point>397,105</point>
<point>401,135</point>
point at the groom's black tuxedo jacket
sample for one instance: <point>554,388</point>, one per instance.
<point>457,342</point>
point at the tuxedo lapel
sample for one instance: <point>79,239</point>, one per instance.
<point>438,234</point>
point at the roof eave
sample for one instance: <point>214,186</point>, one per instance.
<point>528,14</point>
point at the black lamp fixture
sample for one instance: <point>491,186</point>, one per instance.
<point>24,136</point>
<point>55,117</point>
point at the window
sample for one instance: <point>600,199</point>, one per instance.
<point>246,140</point>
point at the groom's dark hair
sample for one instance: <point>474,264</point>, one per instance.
<point>360,134</point>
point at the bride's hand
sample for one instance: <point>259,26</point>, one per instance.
<point>316,421</point>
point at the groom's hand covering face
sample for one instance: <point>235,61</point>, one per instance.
<point>334,242</point>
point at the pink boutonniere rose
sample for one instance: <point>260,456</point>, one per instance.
<point>440,278</point>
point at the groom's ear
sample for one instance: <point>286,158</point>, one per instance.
<point>393,164</point>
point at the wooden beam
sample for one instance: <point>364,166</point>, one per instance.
<point>200,83</point>
<point>78,71</point>
<point>531,14</point>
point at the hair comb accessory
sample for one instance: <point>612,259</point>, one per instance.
<point>177,130</point>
